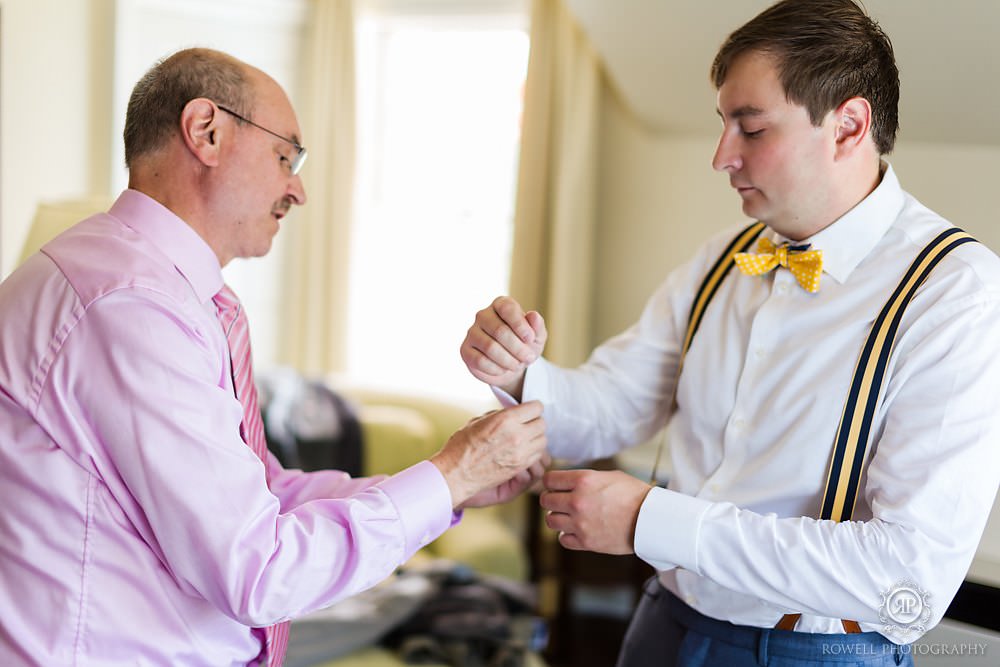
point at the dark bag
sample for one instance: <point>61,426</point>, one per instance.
<point>471,621</point>
<point>308,425</point>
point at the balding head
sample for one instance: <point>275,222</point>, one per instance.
<point>155,107</point>
<point>213,139</point>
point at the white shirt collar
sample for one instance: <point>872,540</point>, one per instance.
<point>851,238</point>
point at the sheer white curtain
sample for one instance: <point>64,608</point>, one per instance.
<point>555,219</point>
<point>319,239</point>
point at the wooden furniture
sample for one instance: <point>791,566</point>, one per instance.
<point>587,598</point>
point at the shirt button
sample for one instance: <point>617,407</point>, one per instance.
<point>739,425</point>
<point>424,539</point>
<point>783,288</point>
<point>714,488</point>
<point>690,599</point>
<point>759,352</point>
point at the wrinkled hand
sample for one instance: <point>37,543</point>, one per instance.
<point>491,450</point>
<point>512,488</point>
<point>502,343</point>
<point>593,510</point>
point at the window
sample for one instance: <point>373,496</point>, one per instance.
<point>440,102</point>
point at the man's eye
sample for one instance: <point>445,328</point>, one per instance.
<point>285,162</point>
<point>754,134</point>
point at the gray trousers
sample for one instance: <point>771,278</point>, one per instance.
<point>654,636</point>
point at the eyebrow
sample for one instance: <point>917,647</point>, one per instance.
<point>743,112</point>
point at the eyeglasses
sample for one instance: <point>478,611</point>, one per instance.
<point>295,164</point>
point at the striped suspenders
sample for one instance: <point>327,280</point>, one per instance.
<point>711,283</point>
<point>851,442</point>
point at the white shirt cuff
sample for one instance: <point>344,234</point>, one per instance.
<point>535,388</point>
<point>667,530</point>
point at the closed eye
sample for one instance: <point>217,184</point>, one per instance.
<point>753,135</point>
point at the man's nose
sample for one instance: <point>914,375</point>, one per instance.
<point>297,191</point>
<point>726,157</point>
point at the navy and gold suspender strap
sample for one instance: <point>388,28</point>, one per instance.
<point>851,443</point>
<point>702,297</point>
<point>850,450</point>
<point>711,283</point>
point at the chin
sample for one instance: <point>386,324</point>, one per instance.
<point>752,211</point>
<point>265,248</point>
<point>261,248</point>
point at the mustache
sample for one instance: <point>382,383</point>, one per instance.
<point>282,206</point>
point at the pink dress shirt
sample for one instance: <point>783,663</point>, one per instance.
<point>136,526</point>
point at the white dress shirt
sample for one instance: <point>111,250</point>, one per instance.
<point>758,405</point>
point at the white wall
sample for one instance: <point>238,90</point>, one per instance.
<point>659,199</point>
<point>54,125</point>
<point>959,181</point>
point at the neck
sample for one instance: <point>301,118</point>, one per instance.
<point>180,193</point>
<point>863,182</point>
<point>856,182</point>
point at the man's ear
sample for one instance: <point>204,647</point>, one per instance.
<point>199,128</point>
<point>853,119</point>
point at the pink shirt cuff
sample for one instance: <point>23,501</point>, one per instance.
<point>423,501</point>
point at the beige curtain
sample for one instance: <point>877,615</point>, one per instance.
<point>554,224</point>
<point>314,328</point>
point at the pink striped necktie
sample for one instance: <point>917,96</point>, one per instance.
<point>235,325</point>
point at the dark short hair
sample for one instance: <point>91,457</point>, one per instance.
<point>156,103</point>
<point>826,52</point>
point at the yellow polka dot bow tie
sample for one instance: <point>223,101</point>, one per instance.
<point>806,265</point>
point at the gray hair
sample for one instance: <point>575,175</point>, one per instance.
<point>156,103</point>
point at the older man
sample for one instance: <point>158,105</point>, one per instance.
<point>144,521</point>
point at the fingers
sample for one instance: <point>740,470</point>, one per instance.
<point>503,335</point>
<point>566,529</point>
<point>493,449</point>
<point>559,522</point>
<point>518,483</point>
<point>558,494</point>
<point>537,469</point>
<point>522,423</point>
<point>510,313</point>
<point>557,501</point>
<point>571,541</point>
<point>484,353</point>
<point>537,323</point>
<point>526,412</point>
<point>593,510</point>
<point>562,480</point>
<point>501,344</point>
<point>518,428</point>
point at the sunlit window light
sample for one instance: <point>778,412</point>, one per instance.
<point>439,128</point>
